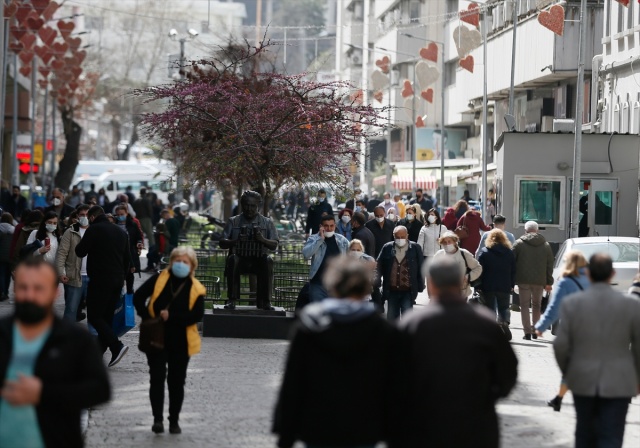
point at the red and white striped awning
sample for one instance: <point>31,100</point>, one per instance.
<point>405,183</point>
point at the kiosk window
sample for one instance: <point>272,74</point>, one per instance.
<point>539,201</point>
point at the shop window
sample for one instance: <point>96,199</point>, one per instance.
<point>540,199</point>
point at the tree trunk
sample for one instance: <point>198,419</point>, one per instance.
<point>69,162</point>
<point>132,141</point>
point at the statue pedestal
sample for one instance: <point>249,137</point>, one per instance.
<point>247,322</point>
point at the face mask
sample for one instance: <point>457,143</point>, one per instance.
<point>410,217</point>
<point>387,201</point>
<point>346,219</point>
<point>56,202</point>
<point>360,196</point>
<point>357,253</point>
<point>51,228</point>
<point>30,313</point>
<point>392,217</point>
<point>432,219</point>
<point>83,221</point>
<point>401,243</point>
<point>320,199</point>
<point>358,209</point>
<point>449,248</point>
<point>329,234</point>
<point>380,219</point>
<point>180,269</point>
<point>122,218</point>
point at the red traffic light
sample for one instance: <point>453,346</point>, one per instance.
<point>25,168</point>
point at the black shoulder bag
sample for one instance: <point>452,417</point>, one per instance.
<point>152,329</point>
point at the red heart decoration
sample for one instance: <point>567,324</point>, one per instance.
<point>62,101</point>
<point>43,83</point>
<point>26,57</point>
<point>34,24</point>
<point>10,9</point>
<point>471,15</point>
<point>77,71</point>
<point>50,11</point>
<point>23,12</point>
<point>80,55</point>
<point>430,52</point>
<point>15,46</point>
<point>64,75</point>
<point>624,2</point>
<point>40,5</point>
<point>378,96</point>
<point>65,28</point>
<point>44,71</point>
<point>25,70</point>
<point>467,63</point>
<point>57,64</point>
<point>60,48</point>
<point>419,122</point>
<point>47,35</point>
<point>63,91</point>
<point>70,61</point>
<point>28,40</point>
<point>74,43</point>
<point>73,85</point>
<point>43,53</point>
<point>383,64</point>
<point>427,95</point>
<point>407,90</point>
<point>17,31</point>
<point>553,19</point>
<point>56,83</point>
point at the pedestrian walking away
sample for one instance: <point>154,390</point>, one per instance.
<point>499,222</point>
<point>144,213</point>
<point>136,243</point>
<point>455,401</point>
<point>177,297</point>
<point>598,351</point>
<point>50,368</point>
<point>109,259</point>
<point>7,230</point>
<point>473,223</point>
<point>338,383</point>
<point>534,274</point>
<point>468,267</point>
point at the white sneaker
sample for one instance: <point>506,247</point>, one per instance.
<point>115,359</point>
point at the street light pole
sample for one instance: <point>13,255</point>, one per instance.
<point>514,18</point>
<point>485,140</point>
<point>414,142</point>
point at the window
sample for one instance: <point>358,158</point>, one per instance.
<point>540,199</point>
<point>450,70</point>
<point>452,6</point>
<point>415,11</point>
<point>620,17</point>
<point>630,16</point>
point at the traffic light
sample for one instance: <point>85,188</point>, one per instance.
<point>25,168</point>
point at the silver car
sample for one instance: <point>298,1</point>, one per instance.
<point>624,251</point>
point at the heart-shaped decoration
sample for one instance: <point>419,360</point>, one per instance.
<point>65,28</point>
<point>23,12</point>
<point>28,40</point>
<point>70,61</point>
<point>57,64</point>
<point>73,85</point>
<point>467,63</point>
<point>426,74</point>
<point>47,35</point>
<point>44,71</point>
<point>624,2</point>
<point>63,91</point>
<point>471,15</point>
<point>553,19</point>
<point>40,5</point>
<point>15,46</point>
<point>65,75</point>
<point>355,97</point>
<point>379,80</point>
<point>43,83</point>
<point>77,71</point>
<point>34,23</point>
<point>430,52</point>
<point>407,90</point>
<point>50,10</point>
<point>10,9</point>
<point>25,70</point>
<point>466,40</point>
<point>56,83</point>
<point>26,57</point>
<point>17,31</point>
<point>62,101</point>
<point>74,43</point>
<point>383,64</point>
<point>427,95</point>
<point>43,53</point>
<point>60,48</point>
<point>420,122</point>
<point>80,55</point>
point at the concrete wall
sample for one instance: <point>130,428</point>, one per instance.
<point>524,154</point>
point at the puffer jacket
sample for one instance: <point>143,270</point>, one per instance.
<point>534,260</point>
<point>6,235</point>
<point>67,262</point>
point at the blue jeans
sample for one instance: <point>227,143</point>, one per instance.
<point>72,297</point>
<point>317,293</point>
<point>600,421</point>
<point>398,302</point>
<point>499,301</point>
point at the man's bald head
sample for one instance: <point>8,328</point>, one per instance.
<point>444,280</point>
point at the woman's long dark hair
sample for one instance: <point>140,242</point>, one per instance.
<point>438,220</point>
<point>42,230</point>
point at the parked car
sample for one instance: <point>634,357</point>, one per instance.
<point>623,250</point>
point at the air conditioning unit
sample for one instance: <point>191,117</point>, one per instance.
<point>523,7</point>
<point>547,124</point>
<point>498,18</point>
<point>563,125</point>
<point>508,12</point>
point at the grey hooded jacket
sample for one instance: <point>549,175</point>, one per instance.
<point>534,260</point>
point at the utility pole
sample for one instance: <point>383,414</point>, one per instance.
<point>443,150</point>
<point>514,18</point>
<point>577,144</point>
<point>485,134</point>
<point>365,92</point>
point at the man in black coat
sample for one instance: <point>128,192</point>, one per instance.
<point>360,232</point>
<point>50,369</point>
<point>59,206</point>
<point>16,204</point>
<point>316,212</point>
<point>109,260</point>
<point>453,384</point>
<point>382,229</point>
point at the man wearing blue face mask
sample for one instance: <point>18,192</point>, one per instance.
<point>316,212</point>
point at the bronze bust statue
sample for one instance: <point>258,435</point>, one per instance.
<point>250,238</point>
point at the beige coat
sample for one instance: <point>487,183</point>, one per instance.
<point>67,262</point>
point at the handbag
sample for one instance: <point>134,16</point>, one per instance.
<point>462,231</point>
<point>152,329</point>
<point>475,283</point>
<point>124,317</point>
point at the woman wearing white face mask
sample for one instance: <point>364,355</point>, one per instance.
<point>412,223</point>
<point>470,269</point>
<point>343,226</point>
<point>430,233</point>
<point>48,236</point>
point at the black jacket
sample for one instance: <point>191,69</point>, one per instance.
<point>135,237</point>
<point>64,211</point>
<point>16,207</point>
<point>458,365</point>
<point>73,378</point>
<point>107,248</point>
<point>382,235</point>
<point>413,228</point>
<point>368,240</point>
<point>337,386</point>
<point>314,216</point>
<point>414,258</point>
<point>498,268</point>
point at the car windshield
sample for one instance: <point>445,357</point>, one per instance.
<point>619,252</point>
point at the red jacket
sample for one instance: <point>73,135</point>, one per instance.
<point>474,223</point>
<point>449,219</point>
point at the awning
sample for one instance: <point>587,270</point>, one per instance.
<point>405,183</point>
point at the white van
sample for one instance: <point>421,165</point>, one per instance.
<point>116,183</point>
<point>91,170</point>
